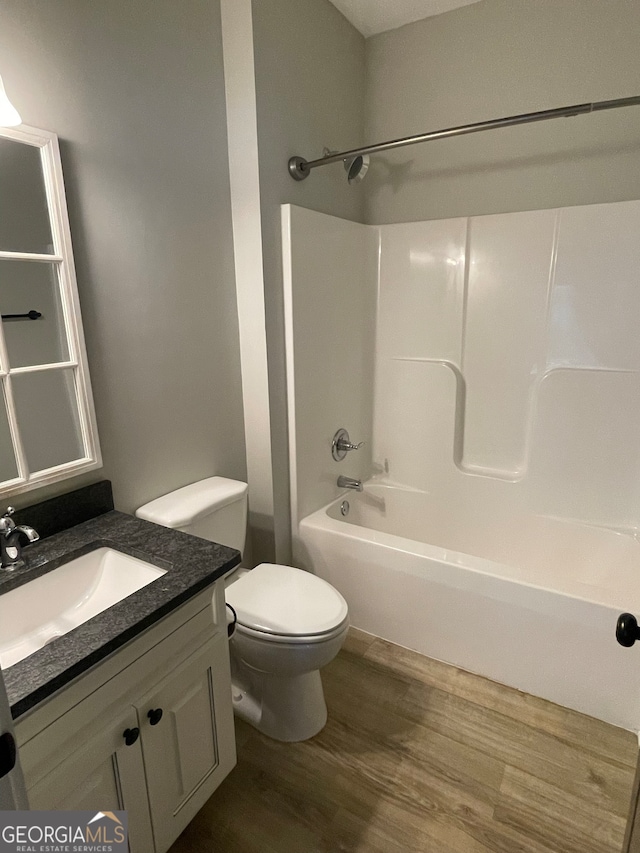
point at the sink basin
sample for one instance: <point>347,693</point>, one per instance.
<point>43,609</point>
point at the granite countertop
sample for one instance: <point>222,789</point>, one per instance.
<point>191,564</point>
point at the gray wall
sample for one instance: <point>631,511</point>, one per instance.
<point>310,67</point>
<point>496,58</point>
<point>135,92</point>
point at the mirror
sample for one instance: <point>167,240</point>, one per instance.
<point>24,213</point>
<point>47,421</point>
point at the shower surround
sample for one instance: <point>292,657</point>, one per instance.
<point>492,365</point>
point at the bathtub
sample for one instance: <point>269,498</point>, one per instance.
<point>529,601</point>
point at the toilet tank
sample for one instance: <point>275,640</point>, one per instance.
<point>214,509</point>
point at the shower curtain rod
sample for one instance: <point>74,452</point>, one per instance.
<point>299,168</point>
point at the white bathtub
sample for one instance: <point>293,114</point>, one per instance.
<point>528,601</point>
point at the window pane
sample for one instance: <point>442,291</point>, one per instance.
<point>24,214</point>
<point>8,465</point>
<point>30,286</point>
<point>47,412</point>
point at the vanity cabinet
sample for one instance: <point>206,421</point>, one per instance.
<point>154,738</point>
<point>103,771</point>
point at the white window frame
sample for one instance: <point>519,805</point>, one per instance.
<point>62,259</point>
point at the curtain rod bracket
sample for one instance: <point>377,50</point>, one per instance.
<point>297,168</point>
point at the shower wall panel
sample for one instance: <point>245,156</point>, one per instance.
<point>509,266</point>
<point>421,308</point>
<point>330,303</point>
<point>508,360</point>
<point>423,395</point>
<point>506,353</point>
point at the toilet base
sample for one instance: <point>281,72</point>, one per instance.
<point>286,708</point>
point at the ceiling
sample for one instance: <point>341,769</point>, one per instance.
<point>376,16</point>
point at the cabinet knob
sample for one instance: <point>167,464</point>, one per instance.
<point>155,715</point>
<point>627,631</point>
<point>130,736</point>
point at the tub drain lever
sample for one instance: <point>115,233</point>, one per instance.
<point>627,631</point>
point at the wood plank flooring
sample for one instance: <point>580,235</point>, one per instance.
<point>420,757</point>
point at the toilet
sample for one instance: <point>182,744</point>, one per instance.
<point>289,623</point>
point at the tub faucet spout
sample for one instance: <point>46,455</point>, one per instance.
<point>349,483</point>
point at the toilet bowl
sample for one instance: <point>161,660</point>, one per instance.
<point>289,623</point>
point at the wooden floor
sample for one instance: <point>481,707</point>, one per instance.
<point>420,756</point>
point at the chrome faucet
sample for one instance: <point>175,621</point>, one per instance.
<point>349,483</point>
<point>341,444</point>
<point>11,535</point>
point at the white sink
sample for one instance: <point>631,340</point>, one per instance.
<point>43,609</point>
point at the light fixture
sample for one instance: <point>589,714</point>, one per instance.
<point>9,116</point>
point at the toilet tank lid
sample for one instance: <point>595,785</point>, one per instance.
<point>190,503</point>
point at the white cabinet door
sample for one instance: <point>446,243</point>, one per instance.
<point>104,774</point>
<point>188,740</point>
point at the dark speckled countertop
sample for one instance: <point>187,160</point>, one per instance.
<point>191,565</point>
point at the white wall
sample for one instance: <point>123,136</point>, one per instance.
<point>135,92</point>
<point>498,58</point>
<point>330,304</point>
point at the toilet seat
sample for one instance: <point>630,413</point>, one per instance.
<point>284,604</point>
<point>288,639</point>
